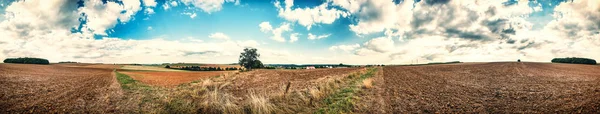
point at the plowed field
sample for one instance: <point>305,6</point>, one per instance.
<point>54,88</point>
<point>272,81</point>
<point>492,88</point>
<point>170,79</point>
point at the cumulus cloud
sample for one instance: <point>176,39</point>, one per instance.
<point>308,16</point>
<point>149,3</point>
<point>32,30</point>
<point>208,6</point>
<point>294,37</point>
<point>316,37</point>
<point>101,16</point>
<point>219,35</point>
<point>170,4</point>
<point>191,14</point>
<point>381,44</point>
<point>265,27</point>
<point>277,32</point>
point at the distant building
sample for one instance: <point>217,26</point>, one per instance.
<point>310,67</point>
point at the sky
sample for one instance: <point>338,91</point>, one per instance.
<point>299,31</point>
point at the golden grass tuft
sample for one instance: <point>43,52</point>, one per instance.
<point>259,104</point>
<point>217,101</point>
<point>367,83</point>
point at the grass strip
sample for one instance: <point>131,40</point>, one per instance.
<point>129,84</point>
<point>342,101</point>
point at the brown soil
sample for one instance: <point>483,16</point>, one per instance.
<point>206,65</point>
<point>491,88</point>
<point>170,79</point>
<point>88,65</point>
<point>54,88</point>
<point>274,81</point>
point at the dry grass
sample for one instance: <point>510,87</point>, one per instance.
<point>210,96</point>
<point>367,83</point>
<point>259,104</point>
<point>216,101</point>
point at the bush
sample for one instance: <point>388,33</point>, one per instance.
<point>574,60</point>
<point>27,60</point>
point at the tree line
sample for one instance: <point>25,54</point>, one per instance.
<point>27,60</point>
<point>574,60</point>
<point>198,68</point>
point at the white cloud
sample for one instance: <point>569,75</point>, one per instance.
<point>219,35</point>
<point>346,48</point>
<point>149,3</point>
<point>208,6</point>
<point>309,16</point>
<point>45,32</point>
<point>378,15</point>
<point>101,17</point>
<point>131,7</point>
<point>381,44</point>
<point>191,14</point>
<point>277,32</point>
<point>174,3</point>
<point>149,28</point>
<point>265,27</point>
<point>149,11</point>
<point>316,37</point>
<point>167,5</point>
<point>294,37</point>
<point>30,15</point>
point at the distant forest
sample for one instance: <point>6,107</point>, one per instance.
<point>574,60</point>
<point>27,60</point>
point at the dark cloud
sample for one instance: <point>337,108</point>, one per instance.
<point>431,57</point>
<point>510,41</point>
<point>529,45</point>
<point>452,48</point>
<point>199,53</point>
<point>436,2</point>
<point>371,12</point>
<point>477,35</point>
<point>509,31</point>
<point>89,57</point>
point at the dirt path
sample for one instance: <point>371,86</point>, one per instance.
<point>53,88</point>
<point>493,88</point>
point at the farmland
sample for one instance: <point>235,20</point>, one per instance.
<point>54,88</point>
<point>497,87</point>
<point>170,79</point>
<point>492,88</point>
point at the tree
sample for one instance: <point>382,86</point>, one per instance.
<point>249,59</point>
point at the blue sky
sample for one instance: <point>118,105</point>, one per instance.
<point>298,31</point>
<point>239,22</point>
